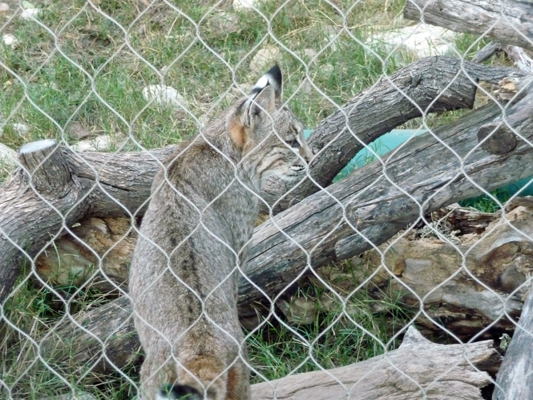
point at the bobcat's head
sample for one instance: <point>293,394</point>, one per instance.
<point>268,134</point>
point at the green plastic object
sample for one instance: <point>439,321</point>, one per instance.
<point>391,140</point>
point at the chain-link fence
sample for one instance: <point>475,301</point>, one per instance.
<point>412,213</point>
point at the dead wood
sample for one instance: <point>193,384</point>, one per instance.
<point>507,22</point>
<point>514,380</point>
<point>116,185</point>
<point>467,282</point>
<point>418,369</point>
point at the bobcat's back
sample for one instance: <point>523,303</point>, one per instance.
<point>183,279</point>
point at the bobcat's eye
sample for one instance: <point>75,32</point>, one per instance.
<point>293,143</point>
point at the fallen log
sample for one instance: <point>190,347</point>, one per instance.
<point>508,22</point>
<point>418,369</point>
<point>358,212</point>
<point>97,254</point>
<point>514,380</point>
<point>465,282</point>
<point>116,185</point>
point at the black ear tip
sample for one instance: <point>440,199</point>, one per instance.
<point>275,72</point>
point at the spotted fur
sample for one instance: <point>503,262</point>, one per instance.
<point>183,276</point>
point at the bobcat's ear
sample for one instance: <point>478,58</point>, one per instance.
<point>263,99</point>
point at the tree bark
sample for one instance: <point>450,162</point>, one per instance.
<point>514,380</point>
<point>508,22</point>
<point>365,209</point>
<point>43,201</point>
<point>417,369</point>
<point>467,282</point>
<point>105,185</point>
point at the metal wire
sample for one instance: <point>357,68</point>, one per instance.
<point>23,115</point>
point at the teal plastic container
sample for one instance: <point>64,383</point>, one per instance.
<point>391,140</point>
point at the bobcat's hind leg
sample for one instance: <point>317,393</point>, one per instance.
<point>153,377</point>
<point>238,382</point>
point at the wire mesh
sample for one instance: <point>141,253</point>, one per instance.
<point>367,244</point>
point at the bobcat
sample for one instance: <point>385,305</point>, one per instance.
<point>185,267</point>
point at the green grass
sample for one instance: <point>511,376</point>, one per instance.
<point>488,204</point>
<point>339,334</point>
<point>33,312</point>
<point>95,59</point>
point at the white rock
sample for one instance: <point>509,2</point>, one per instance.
<point>161,95</point>
<point>99,143</point>
<point>326,69</point>
<point>70,396</point>
<point>306,86</point>
<point>309,53</point>
<point>330,38</point>
<point>420,41</point>
<point>8,158</point>
<point>224,23</point>
<point>264,59</point>
<point>9,40</point>
<point>240,5</point>
<point>20,129</point>
<point>30,13</point>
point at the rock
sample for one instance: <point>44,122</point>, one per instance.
<point>417,41</point>
<point>306,86</point>
<point>309,54</point>
<point>20,129</point>
<point>330,37</point>
<point>264,59</point>
<point>10,40</point>
<point>70,396</point>
<point>326,69</point>
<point>99,143</point>
<point>30,13</point>
<point>223,23</point>
<point>8,159</point>
<point>77,131</point>
<point>161,95</point>
<point>241,5</point>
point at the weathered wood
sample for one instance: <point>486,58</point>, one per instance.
<point>462,279</point>
<point>32,214</point>
<point>97,253</point>
<point>433,84</point>
<point>466,220</point>
<point>118,184</point>
<point>508,22</point>
<point>487,52</point>
<point>107,329</point>
<point>365,208</point>
<point>497,138</point>
<point>521,60</point>
<point>418,369</point>
<point>514,380</point>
